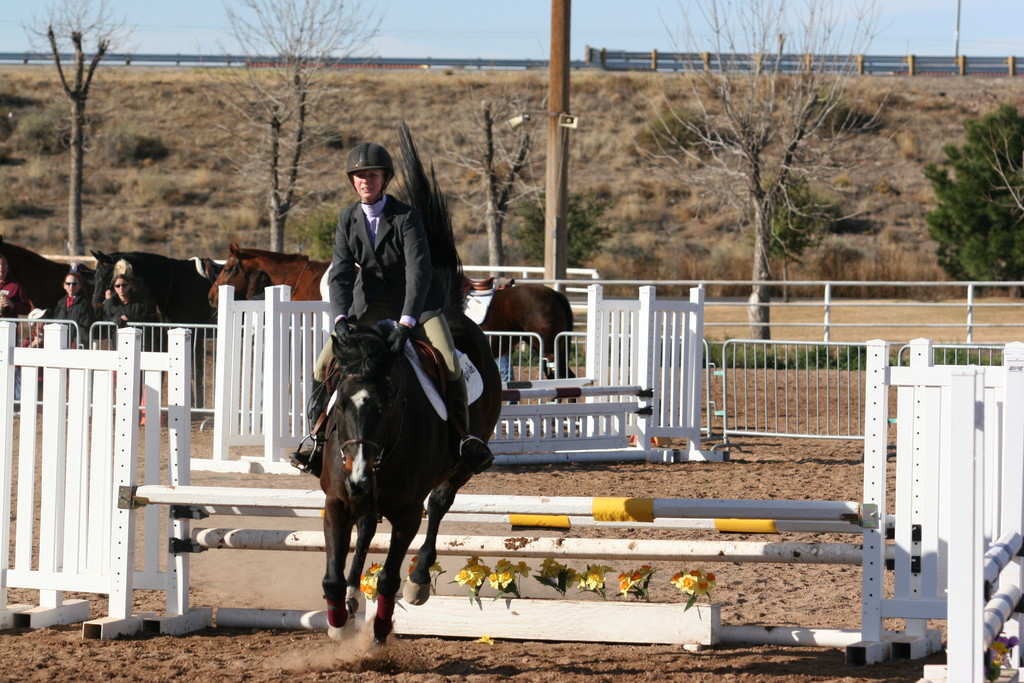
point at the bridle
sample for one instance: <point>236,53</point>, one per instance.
<point>381,451</point>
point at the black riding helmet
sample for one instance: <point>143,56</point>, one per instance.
<point>368,155</point>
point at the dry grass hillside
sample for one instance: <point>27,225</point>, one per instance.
<point>176,192</point>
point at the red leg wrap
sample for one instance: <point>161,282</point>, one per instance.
<point>382,622</point>
<point>337,615</point>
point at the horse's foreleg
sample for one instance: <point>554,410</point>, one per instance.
<point>337,535</point>
<point>366,527</point>
<point>417,588</point>
<point>403,529</point>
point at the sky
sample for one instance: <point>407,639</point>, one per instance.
<point>521,30</point>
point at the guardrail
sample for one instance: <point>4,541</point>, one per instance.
<point>862,65</point>
<point>142,59</point>
<point>603,59</point>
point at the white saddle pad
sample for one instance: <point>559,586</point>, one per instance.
<point>474,382</point>
<point>477,305</point>
<point>325,288</point>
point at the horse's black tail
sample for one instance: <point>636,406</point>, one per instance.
<point>422,192</point>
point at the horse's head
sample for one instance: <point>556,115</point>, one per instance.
<point>102,276</point>
<point>361,412</point>
<point>233,273</point>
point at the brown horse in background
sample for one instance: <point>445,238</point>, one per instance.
<point>297,271</point>
<point>537,309</point>
<point>42,278</point>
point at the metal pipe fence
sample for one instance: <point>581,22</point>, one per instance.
<point>103,335</point>
<point>968,312</point>
<point>957,354</point>
<point>520,355</point>
<point>29,333</point>
<point>794,389</point>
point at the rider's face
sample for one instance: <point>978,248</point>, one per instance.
<point>368,184</point>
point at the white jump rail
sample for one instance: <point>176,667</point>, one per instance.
<point>531,619</point>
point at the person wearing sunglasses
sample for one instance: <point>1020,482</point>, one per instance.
<point>76,306</point>
<point>126,305</point>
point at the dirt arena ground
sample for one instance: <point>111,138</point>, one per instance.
<point>808,595</point>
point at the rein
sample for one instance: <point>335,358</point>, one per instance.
<point>298,277</point>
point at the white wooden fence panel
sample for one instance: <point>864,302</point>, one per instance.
<point>266,351</point>
<point>90,446</point>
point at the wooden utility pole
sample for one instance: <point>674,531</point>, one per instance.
<point>557,180</point>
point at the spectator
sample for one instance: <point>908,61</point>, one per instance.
<point>75,306</point>
<point>125,304</point>
<point>13,301</point>
<point>33,340</point>
<point>35,335</point>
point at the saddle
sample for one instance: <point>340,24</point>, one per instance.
<point>490,283</point>
<point>430,362</point>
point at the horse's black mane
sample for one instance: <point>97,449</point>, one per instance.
<point>363,353</point>
<point>422,192</point>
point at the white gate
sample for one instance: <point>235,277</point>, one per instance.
<point>266,351</point>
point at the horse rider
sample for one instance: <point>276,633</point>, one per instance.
<point>394,280</point>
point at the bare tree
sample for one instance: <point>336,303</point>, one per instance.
<point>74,23</point>
<point>764,116</point>
<point>497,150</point>
<point>289,45</point>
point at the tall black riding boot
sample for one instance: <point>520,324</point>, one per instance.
<point>473,452</point>
<point>312,461</point>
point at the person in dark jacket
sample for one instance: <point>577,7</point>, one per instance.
<point>76,306</point>
<point>381,270</point>
<point>125,304</point>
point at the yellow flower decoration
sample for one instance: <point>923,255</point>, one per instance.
<point>554,574</point>
<point>694,583</point>
<point>504,577</point>
<point>592,580</point>
<point>636,582</point>
<point>486,640</point>
<point>368,581</point>
<point>473,576</point>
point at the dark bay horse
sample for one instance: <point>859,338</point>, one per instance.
<point>537,309</point>
<point>387,452</point>
<point>175,285</point>
<point>387,448</point>
<point>42,278</point>
<point>297,271</point>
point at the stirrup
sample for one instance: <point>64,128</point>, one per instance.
<point>478,457</point>
<point>305,461</point>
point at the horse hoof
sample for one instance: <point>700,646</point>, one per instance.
<point>415,593</point>
<point>376,644</point>
<point>336,633</point>
<point>353,605</point>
